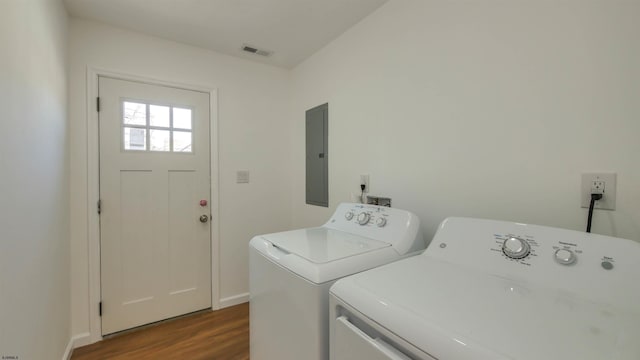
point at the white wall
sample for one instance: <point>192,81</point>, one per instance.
<point>252,127</point>
<point>34,210</point>
<point>489,109</point>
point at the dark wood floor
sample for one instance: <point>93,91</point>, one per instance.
<point>221,334</point>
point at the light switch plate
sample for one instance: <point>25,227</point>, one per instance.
<point>593,181</point>
<point>242,177</point>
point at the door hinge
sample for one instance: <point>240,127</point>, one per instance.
<point>99,207</point>
<point>98,104</point>
<point>100,308</point>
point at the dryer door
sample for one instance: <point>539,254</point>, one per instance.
<point>351,343</point>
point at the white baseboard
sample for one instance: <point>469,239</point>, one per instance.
<point>82,340</point>
<point>234,300</point>
<point>68,351</point>
<point>76,342</point>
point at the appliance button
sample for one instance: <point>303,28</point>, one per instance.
<point>607,265</point>
<point>565,256</point>
<point>381,222</point>
<point>363,218</point>
<point>516,248</point>
<point>348,215</point>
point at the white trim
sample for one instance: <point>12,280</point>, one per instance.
<point>81,340</point>
<point>93,194</point>
<point>93,191</point>
<point>234,300</point>
<point>215,200</point>
<point>74,343</point>
<point>68,351</point>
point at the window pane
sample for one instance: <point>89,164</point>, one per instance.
<point>135,139</point>
<point>182,141</point>
<point>159,116</point>
<point>182,118</point>
<point>135,113</point>
<point>159,140</point>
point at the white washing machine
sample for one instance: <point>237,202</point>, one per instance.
<point>291,272</point>
<point>491,290</point>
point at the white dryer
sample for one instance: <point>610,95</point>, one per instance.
<point>291,273</point>
<point>491,290</point>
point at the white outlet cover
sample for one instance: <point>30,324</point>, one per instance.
<point>608,201</point>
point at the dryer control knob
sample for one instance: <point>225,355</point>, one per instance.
<point>381,222</point>
<point>363,218</point>
<point>565,256</point>
<point>516,248</point>
<point>348,215</point>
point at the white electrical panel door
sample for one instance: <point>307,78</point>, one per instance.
<point>154,203</point>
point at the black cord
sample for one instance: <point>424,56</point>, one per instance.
<point>594,197</point>
<point>362,186</point>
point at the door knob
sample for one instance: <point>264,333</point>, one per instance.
<point>204,218</point>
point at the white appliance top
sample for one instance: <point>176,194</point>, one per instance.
<point>357,237</point>
<point>321,245</point>
<point>472,300</point>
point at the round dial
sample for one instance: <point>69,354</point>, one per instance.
<point>381,222</point>
<point>348,215</point>
<point>363,218</point>
<point>516,248</point>
<point>565,256</point>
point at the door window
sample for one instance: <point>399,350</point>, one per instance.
<point>153,127</point>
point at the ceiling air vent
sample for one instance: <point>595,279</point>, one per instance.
<point>254,50</point>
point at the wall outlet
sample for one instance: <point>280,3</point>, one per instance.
<point>599,183</point>
<point>364,179</point>
<point>597,187</point>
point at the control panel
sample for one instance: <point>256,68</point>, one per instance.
<point>367,216</point>
<point>569,260</point>
<point>395,226</point>
<point>523,249</point>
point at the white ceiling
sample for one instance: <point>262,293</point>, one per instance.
<point>292,29</point>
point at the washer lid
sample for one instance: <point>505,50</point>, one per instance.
<point>452,312</point>
<point>322,245</point>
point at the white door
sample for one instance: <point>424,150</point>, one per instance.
<point>154,223</point>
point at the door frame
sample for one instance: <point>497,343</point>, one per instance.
<point>93,187</point>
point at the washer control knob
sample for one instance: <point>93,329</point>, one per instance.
<point>348,215</point>
<point>363,218</point>
<point>516,248</point>
<point>565,256</point>
<point>381,222</point>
